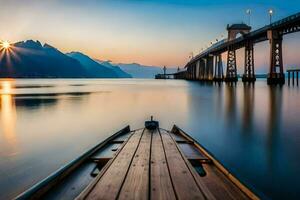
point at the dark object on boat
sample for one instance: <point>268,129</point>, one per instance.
<point>151,125</point>
<point>141,164</point>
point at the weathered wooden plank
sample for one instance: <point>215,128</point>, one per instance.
<point>220,168</point>
<point>161,184</point>
<point>136,184</point>
<point>183,181</point>
<point>219,185</point>
<point>214,185</point>
<point>111,181</point>
<point>202,186</point>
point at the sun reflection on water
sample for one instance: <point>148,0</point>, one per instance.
<point>8,118</point>
<point>6,87</point>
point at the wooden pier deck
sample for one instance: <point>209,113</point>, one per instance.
<point>151,165</point>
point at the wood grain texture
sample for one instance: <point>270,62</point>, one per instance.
<point>184,184</point>
<point>201,184</point>
<point>232,180</point>
<point>151,165</point>
<point>161,184</point>
<point>136,184</point>
<point>111,181</point>
<point>219,185</point>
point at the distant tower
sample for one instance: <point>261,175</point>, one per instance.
<point>165,69</point>
<point>178,69</point>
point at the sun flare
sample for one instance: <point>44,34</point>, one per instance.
<point>5,45</point>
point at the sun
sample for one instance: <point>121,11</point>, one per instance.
<point>5,45</point>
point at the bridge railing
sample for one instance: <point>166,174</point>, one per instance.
<point>287,19</point>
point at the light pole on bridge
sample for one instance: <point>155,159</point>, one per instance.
<point>271,14</point>
<point>191,55</point>
<point>248,12</point>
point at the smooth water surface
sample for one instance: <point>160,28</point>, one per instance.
<point>253,130</point>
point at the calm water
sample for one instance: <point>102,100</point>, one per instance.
<point>253,130</point>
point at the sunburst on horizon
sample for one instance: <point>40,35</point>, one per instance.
<point>8,52</point>
<point>5,45</point>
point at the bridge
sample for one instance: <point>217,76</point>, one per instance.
<point>208,65</point>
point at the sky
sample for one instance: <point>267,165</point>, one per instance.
<point>150,32</point>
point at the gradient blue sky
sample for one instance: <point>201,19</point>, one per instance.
<point>153,32</point>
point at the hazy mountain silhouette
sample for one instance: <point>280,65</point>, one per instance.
<point>143,71</point>
<point>31,59</point>
<point>117,69</point>
<point>96,69</point>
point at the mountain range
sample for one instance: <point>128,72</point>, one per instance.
<point>96,69</point>
<point>31,59</point>
<point>117,69</point>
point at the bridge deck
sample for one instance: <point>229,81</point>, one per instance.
<point>151,165</point>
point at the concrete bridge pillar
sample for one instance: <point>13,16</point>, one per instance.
<point>249,74</point>
<point>206,69</point>
<point>231,72</point>
<point>202,68</point>
<point>218,71</point>
<point>188,73</point>
<point>198,69</point>
<point>193,72</point>
<point>276,75</point>
<point>210,67</point>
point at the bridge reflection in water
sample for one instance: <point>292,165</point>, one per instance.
<point>252,129</point>
<point>275,121</point>
<point>248,106</point>
<point>248,127</point>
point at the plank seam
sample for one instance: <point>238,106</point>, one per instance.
<point>220,167</point>
<point>92,185</point>
<point>185,161</point>
<point>163,145</point>
<point>149,171</point>
<point>117,197</point>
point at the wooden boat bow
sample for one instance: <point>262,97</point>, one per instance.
<point>148,163</point>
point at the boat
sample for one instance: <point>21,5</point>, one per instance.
<point>146,163</point>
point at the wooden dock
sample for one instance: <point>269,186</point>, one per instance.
<point>152,165</point>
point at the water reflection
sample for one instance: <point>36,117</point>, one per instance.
<point>274,122</point>
<point>241,124</point>
<point>248,107</point>
<point>12,102</point>
<point>230,105</point>
<point>8,118</point>
<point>35,103</point>
<point>219,94</point>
